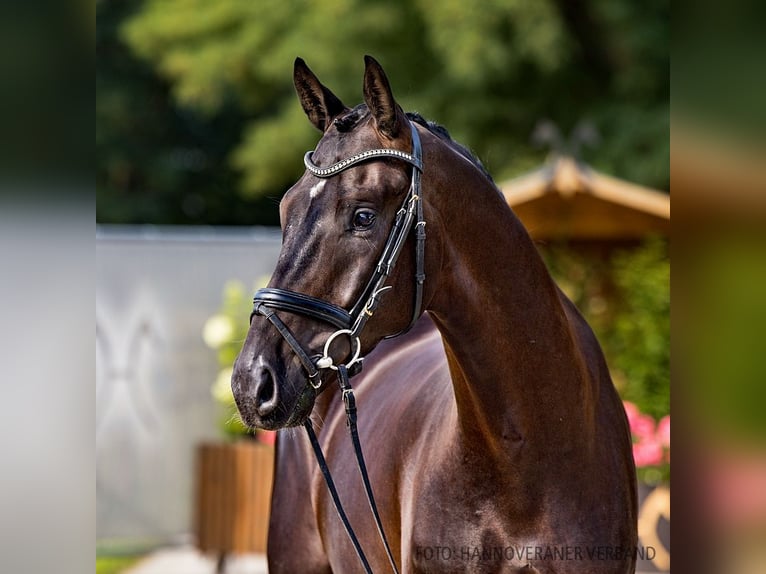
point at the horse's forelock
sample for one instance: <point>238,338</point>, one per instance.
<point>350,119</point>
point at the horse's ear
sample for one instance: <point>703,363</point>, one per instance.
<point>380,100</point>
<point>319,103</point>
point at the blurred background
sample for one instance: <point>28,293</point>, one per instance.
<point>198,135</point>
<point>197,121</point>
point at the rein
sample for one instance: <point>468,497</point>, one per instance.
<point>268,301</point>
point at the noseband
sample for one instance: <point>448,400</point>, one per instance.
<point>350,323</point>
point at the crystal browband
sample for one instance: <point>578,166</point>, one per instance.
<point>325,172</point>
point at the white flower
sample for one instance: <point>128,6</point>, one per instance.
<point>221,389</point>
<point>218,330</point>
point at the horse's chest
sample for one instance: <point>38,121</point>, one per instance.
<point>457,526</point>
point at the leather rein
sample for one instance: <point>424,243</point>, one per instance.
<point>268,301</point>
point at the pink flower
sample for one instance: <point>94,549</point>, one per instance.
<point>663,431</point>
<point>651,440</point>
<point>631,411</point>
<point>643,428</point>
<point>267,437</point>
<point>641,425</point>
<point>647,452</point>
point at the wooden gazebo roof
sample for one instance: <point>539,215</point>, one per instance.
<point>567,199</point>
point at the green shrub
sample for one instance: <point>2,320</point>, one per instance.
<point>625,297</point>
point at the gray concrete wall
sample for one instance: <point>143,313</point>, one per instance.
<point>155,289</point>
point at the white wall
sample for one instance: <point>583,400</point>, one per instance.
<point>155,289</point>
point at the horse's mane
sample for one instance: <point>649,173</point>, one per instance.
<point>440,131</point>
<point>349,120</point>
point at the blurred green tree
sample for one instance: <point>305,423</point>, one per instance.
<point>489,70</point>
<point>159,161</point>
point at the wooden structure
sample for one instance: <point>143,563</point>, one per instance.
<point>233,497</point>
<point>566,199</point>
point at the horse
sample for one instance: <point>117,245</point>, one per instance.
<point>498,442</point>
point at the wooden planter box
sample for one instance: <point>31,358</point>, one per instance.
<point>233,497</point>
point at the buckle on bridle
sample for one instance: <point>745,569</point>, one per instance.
<point>315,380</point>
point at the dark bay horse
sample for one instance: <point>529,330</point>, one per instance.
<point>494,437</point>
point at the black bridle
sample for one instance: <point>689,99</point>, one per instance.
<point>268,301</point>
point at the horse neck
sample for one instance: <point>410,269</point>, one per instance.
<point>518,375</point>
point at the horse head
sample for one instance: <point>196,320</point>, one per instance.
<point>342,259</point>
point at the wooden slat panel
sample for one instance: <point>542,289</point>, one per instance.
<point>200,496</point>
<point>233,496</point>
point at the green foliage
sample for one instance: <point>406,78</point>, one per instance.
<point>114,564</point>
<point>626,299</point>
<point>638,341</point>
<point>225,331</point>
<point>160,162</point>
<point>488,70</point>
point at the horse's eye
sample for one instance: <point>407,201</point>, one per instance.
<point>364,218</point>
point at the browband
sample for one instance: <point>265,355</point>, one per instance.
<point>325,172</point>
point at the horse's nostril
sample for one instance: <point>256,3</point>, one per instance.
<point>265,391</point>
